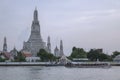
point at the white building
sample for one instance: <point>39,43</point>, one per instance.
<point>14,52</point>
<point>59,52</point>
<point>117,58</point>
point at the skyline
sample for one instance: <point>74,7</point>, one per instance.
<point>85,24</point>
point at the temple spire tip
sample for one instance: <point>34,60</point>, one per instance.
<point>35,7</point>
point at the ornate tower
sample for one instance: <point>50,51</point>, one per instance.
<point>35,28</point>
<point>35,42</point>
<point>14,52</point>
<point>5,45</point>
<point>49,45</point>
<point>61,48</point>
<point>56,52</point>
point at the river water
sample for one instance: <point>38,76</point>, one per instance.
<point>58,73</point>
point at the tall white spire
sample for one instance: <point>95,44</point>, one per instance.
<point>61,48</point>
<point>35,27</point>
<point>49,45</point>
<point>5,45</point>
<point>56,52</point>
<point>35,16</point>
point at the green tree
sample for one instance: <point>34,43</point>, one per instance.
<point>105,57</point>
<point>115,53</point>
<point>94,54</point>
<point>45,56</point>
<point>19,57</point>
<point>2,60</point>
<point>78,53</point>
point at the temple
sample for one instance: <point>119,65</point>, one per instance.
<point>35,42</point>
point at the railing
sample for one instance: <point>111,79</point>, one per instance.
<point>25,62</point>
<point>53,63</point>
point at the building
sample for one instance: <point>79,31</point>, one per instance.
<point>59,52</point>
<point>5,54</point>
<point>35,42</point>
<point>49,45</point>
<point>64,60</point>
<point>14,52</point>
<point>29,58</point>
<point>80,59</point>
<point>61,48</point>
<point>117,58</point>
<point>99,50</point>
<point>5,45</point>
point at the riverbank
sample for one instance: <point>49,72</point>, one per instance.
<point>115,63</point>
<point>45,63</point>
<point>29,64</point>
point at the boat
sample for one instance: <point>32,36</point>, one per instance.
<point>88,65</point>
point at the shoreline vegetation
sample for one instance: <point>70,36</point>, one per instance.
<point>93,54</point>
<point>77,53</point>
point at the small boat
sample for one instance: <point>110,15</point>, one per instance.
<point>89,65</point>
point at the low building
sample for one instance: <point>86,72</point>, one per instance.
<point>32,59</point>
<point>6,56</point>
<point>117,58</point>
<point>59,52</point>
<point>29,58</point>
<point>14,52</point>
<point>80,59</point>
<point>64,60</point>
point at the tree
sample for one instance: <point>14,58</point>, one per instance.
<point>20,57</point>
<point>115,53</point>
<point>78,53</point>
<point>74,48</point>
<point>45,56</point>
<point>105,57</point>
<point>2,60</point>
<point>94,54</point>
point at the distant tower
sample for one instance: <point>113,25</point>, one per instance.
<point>14,51</point>
<point>56,52</point>
<point>49,45</point>
<point>61,48</point>
<point>5,45</point>
<point>35,42</point>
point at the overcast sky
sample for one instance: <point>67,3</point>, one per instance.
<point>81,23</point>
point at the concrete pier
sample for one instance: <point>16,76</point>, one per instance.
<point>28,64</point>
<point>115,63</point>
<point>45,63</point>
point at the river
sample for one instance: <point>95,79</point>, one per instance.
<point>58,73</point>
